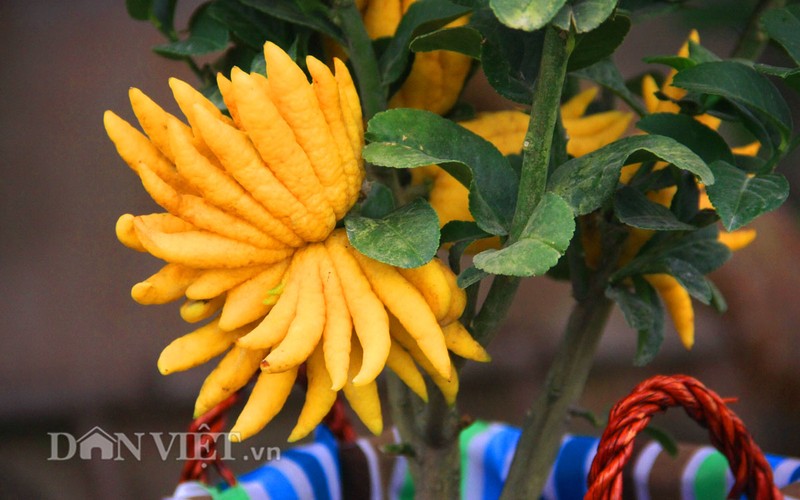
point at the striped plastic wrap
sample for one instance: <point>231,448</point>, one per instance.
<point>326,470</point>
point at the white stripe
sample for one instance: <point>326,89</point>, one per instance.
<point>587,464</point>
<point>255,490</point>
<point>376,492</point>
<point>507,462</point>
<point>296,476</point>
<point>550,492</point>
<point>325,458</point>
<point>189,489</point>
<point>642,467</point>
<point>690,471</point>
<point>729,479</point>
<point>783,472</point>
<point>476,470</point>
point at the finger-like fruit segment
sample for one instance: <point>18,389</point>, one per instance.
<point>319,396</point>
<point>268,397</point>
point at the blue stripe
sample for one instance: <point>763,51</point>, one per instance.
<point>774,460</point>
<point>795,476</point>
<point>494,460</point>
<point>313,470</point>
<point>273,481</point>
<point>569,476</point>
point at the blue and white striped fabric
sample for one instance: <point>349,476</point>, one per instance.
<point>315,471</point>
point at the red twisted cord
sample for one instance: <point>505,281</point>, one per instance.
<point>201,445</point>
<point>728,434</point>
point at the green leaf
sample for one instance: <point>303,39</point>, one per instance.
<point>700,54</point>
<point>311,14</point>
<point>645,10</point>
<point>687,257</point>
<point>584,15</point>
<point>206,35</point>
<point>644,313</point>
<point>664,438</point>
<point>675,62</point>
<point>599,43</point>
<point>526,15</point>
<point>461,230</point>
<point>139,9</point>
<point>509,58</point>
<point>421,17</point>
<point>783,26</point>
<point>633,208</point>
<point>739,198</point>
<point>462,39</point>
<point>689,277</point>
<point>606,74</point>
<point>470,276</point>
<point>408,138</point>
<point>406,237</point>
<point>790,76</point>
<point>163,16</point>
<point>587,182</point>
<point>705,142</point>
<point>249,25</point>
<point>378,203</point>
<point>741,84</point>
<point>543,241</point>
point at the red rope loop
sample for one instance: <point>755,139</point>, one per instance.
<point>201,445</point>
<point>728,434</point>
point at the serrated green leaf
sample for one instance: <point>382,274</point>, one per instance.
<point>742,84</point>
<point>543,241</point>
<point>705,142</point>
<point>633,208</point>
<point>587,182</point>
<point>509,58</point>
<point>599,43</point>
<point>406,237</point>
<point>206,35</point>
<point>526,15</point>
<point>783,26</point>
<point>461,39</point>
<point>584,15</point>
<point>739,198</point>
<point>606,74</point>
<point>408,138</point>
<point>421,17</point>
<point>378,203</point>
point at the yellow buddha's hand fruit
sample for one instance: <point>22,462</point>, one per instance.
<point>436,78</point>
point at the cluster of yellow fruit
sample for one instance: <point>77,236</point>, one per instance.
<point>249,238</point>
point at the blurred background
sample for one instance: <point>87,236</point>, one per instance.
<point>81,353</point>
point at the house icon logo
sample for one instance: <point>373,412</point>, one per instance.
<point>97,443</point>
